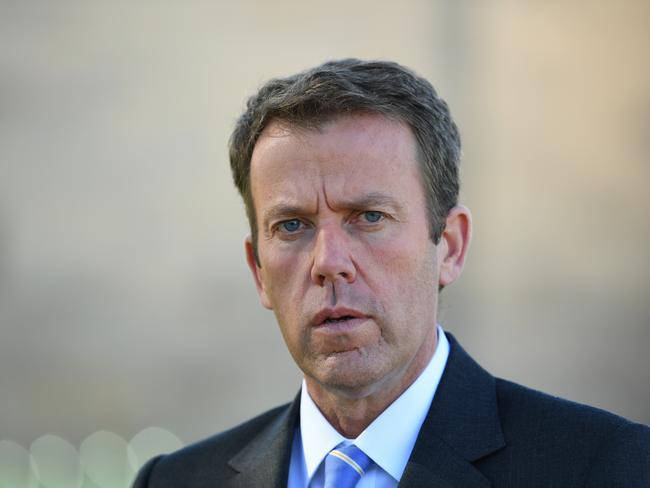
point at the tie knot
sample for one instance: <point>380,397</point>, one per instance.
<point>344,466</point>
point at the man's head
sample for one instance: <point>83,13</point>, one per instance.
<point>350,86</point>
<point>354,220</point>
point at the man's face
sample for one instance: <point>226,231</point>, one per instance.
<point>347,264</point>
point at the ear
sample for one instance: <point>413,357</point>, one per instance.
<point>453,245</point>
<point>257,273</point>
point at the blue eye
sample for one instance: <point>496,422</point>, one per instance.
<point>290,225</point>
<point>372,216</point>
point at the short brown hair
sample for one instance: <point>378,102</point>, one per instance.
<point>318,95</point>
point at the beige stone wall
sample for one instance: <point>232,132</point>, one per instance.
<point>556,172</point>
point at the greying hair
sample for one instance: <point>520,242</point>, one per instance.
<point>351,86</point>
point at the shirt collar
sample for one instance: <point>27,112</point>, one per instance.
<point>400,422</point>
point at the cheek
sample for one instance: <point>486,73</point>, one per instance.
<point>280,273</point>
<point>284,284</point>
<point>404,259</point>
<point>404,276</point>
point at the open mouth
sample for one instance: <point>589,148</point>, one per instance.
<point>338,319</point>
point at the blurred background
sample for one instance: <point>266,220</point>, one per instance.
<point>125,300</point>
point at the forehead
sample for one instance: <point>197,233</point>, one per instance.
<point>350,155</point>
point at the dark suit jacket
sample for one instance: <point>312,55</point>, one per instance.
<point>480,431</point>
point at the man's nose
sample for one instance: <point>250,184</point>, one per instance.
<point>332,257</point>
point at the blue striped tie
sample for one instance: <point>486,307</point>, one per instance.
<point>344,466</point>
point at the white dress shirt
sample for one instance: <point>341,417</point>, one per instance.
<point>388,440</point>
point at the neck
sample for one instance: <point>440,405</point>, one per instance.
<point>350,413</point>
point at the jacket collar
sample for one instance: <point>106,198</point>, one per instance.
<point>462,426</point>
<point>265,460</point>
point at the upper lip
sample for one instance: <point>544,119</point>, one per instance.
<point>336,313</point>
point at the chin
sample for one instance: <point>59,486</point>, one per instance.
<point>349,376</point>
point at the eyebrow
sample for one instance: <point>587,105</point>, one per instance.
<point>369,200</point>
<point>281,210</point>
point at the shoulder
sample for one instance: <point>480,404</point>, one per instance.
<point>524,408</point>
<point>558,433</point>
<point>207,458</point>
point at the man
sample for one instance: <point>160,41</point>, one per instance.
<point>349,173</point>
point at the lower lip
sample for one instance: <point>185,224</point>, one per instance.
<point>342,326</point>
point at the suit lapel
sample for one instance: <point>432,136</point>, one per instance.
<point>435,464</point>
<point>265,460</point>
<point>462,426</point>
